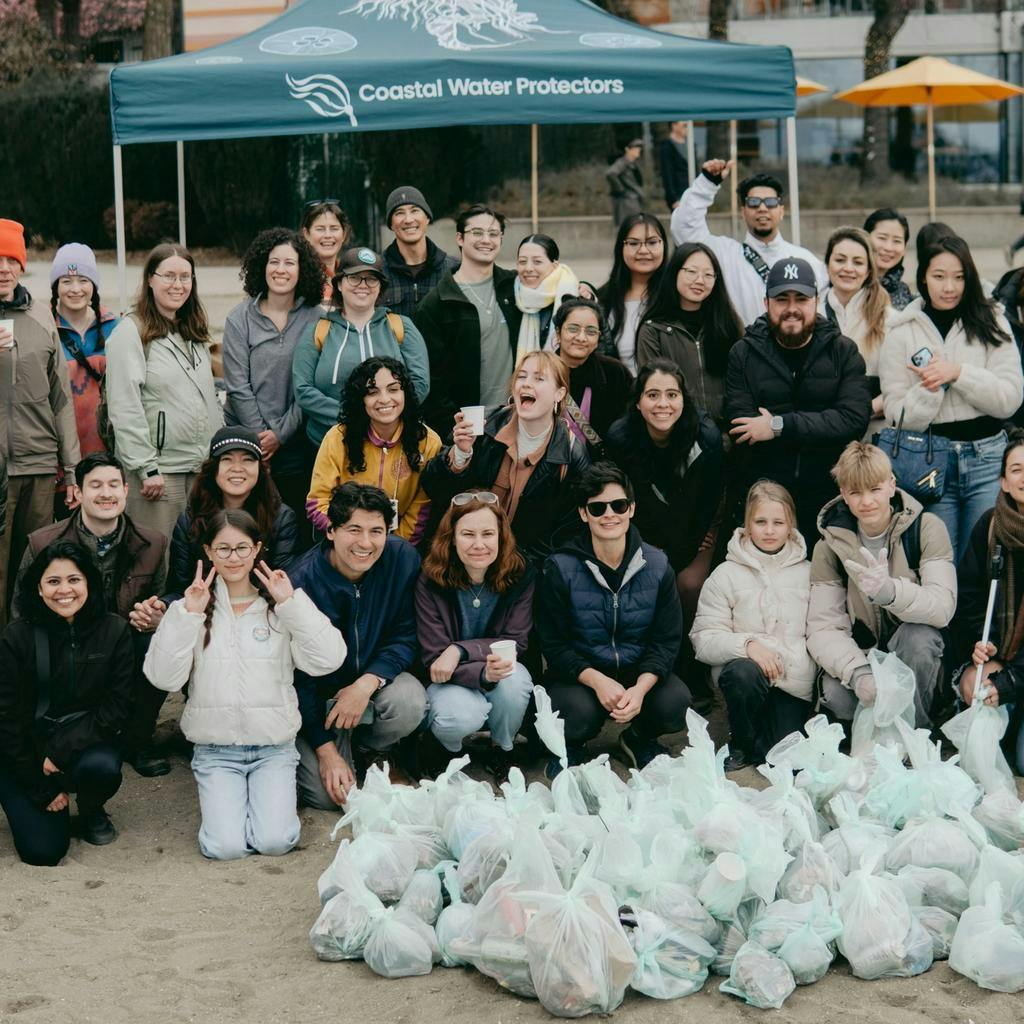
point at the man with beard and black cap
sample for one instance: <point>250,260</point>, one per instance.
<point>796,393</point>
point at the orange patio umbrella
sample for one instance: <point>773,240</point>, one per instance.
<point>933,82</point>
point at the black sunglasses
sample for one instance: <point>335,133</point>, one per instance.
<point>618,505</point>
<point>320,202</point>
<point>769,201</point>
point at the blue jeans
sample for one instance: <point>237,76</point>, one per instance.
<point>456,711</point>
<point>972,486</point>
<point>246,799</point>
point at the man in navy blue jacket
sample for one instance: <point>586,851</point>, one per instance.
<point>362,579</point>
<point>610,626</point>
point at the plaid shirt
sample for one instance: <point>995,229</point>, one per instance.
<point>405,291</point>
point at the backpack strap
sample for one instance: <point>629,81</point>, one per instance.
<point>323,325</point>
<point>911,540</point>
<point>756,260</point>
<point>397,325</point>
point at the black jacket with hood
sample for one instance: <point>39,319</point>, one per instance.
<point>405,289</point>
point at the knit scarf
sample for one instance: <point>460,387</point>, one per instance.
<point>1008,529</point>
<point>530,301</point>
<point>899,291</point>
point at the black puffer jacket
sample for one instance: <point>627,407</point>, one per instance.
<point>1008,294</point>
<point>92,665</point>
<point>676,496</point>
<point>823,408</point>
<point>181,570</point>
<point>546,511</point>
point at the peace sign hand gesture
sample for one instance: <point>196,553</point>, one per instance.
<point>275,582</point>
<point>872,574</point>
<point>197,596</point>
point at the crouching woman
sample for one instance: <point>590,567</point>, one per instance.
<point>236,638</point>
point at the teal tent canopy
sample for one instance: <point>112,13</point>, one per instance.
<point>377,65</point>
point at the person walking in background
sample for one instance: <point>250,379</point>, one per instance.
<point>39,431</point>
<point>355,328</point>
<point>236,638</point>
<point>84,326</point>
<point>326,227</point>
<point>471,323</point>
<point>745,264</point>
<point>626,182</point>
<point>283,281</point>
<point>950,366</point>
<point>674,162</point>
<point>889,232</point>
<point>414,263</point>
<point>751,623</point>
<point>66,672</point>
<point>475,593</point>
<point>610,626</point>
<point>638,264</point>
<point>379,440</point>
<point>690,321</point>
<point>857,303</point>
<point>159,386</point>
<point>796,394</point>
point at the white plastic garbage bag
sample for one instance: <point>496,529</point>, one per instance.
<point>854,838</point>
<point>940,925</point>
<point>894,698</point>
<point>976,733</point>
<point>345,922</point>
<point>453,921</point>
<point>931,842</point>
<point>386,863</point>
<point>933,887</point>
<point>806,954</point>
<point>1002,816</point>
<point>401,945</point>
<point>484,861</point>
<point>724,886</point>
<point>422,896</point>
<point>759,978</point>
<point>549,724</point>
<point>671,963</point>
<point>811,867</point>
<point>821,769</point>
<point>996,865</point>
<point>986,949</point>
<point>782,918</point>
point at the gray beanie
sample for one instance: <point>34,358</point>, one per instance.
<point>402,196</point>
<point>75,260</point>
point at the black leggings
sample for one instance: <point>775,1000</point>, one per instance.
<point>759,714</point>
<point>42,837</point>
<point>663,710</point>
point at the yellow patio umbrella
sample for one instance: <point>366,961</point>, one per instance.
<point>808,87</point>
<point>933,82</point>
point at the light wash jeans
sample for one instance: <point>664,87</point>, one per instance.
<point>456,711</point>
<point>972,486</point>
<point>246,799</point>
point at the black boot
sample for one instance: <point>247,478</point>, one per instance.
<point>148,762</point>
<point>96,827</point>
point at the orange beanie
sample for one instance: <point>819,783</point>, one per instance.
<point>12,240</point>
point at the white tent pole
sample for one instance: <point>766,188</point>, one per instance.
<point>181,191</point>
<point>733,156</point>
<point>691,152</point>
<point>931,160</point>
<point>794,184</point>
<point>534,156</point>
<point>122,255</point>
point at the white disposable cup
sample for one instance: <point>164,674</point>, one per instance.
<point>474,416</point>
<point>8,325</point>
<point>505,649</point>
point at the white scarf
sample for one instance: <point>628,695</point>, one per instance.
<point>531,301</point>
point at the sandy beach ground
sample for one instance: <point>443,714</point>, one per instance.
<point>146,931</point>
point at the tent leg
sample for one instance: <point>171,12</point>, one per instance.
<point>794,185</point>
<point>534,153</point>
<point>930,117</point>
<point>180,146</point>
<point>122,255</point>
<point>734,157</point>
<point>691,152</point>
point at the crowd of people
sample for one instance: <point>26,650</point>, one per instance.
<point>426,483</point>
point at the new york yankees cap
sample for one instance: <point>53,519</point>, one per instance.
<point>791,274</point>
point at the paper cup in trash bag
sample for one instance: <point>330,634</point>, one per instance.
<point>723,887</point>
<point>505,649</point>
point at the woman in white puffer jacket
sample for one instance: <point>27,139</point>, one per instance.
<point>236,638</point>
<point>750,626</point>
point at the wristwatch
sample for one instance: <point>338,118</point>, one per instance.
<point>776,423</point>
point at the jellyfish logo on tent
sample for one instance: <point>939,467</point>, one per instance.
<point>326,94</point>
<point>459,24</point>
<point>619,41</point>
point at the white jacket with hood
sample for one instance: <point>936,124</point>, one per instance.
<point>241,687</point>
<point>756,596</point>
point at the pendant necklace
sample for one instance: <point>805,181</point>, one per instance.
<point>476,595</point>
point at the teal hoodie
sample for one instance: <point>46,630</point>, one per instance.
<point>319,377</point>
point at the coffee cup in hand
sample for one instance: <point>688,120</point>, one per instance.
<point>6,334</point>
<point>504,649</point>
<point>473,415</point>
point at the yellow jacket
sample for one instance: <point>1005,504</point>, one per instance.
<point>386,468</point>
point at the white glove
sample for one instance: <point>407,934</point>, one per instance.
<point>872,576</point>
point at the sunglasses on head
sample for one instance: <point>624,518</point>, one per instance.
<point>487,497</point>
<point>768,201</point>
<point>618,505</point>
<point>320,202</point>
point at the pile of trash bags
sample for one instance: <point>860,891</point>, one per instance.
<point>574,893</point>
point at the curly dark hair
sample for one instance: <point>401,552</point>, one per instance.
<point>206,499</point>
<point>352,412</point>
<point>30,601</point>
<point>312,275</point>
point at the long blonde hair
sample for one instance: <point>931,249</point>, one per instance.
<point>876,298</point>
<point>768,490</point>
